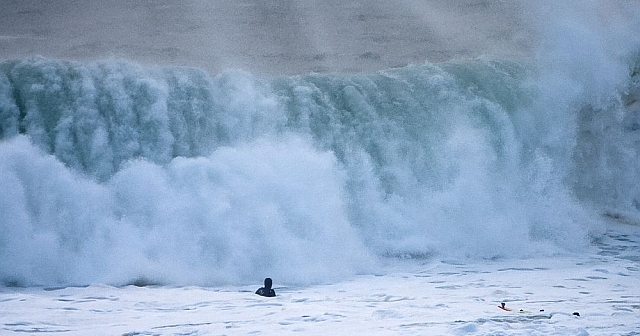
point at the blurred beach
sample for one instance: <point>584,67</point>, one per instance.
<point>267,38</point>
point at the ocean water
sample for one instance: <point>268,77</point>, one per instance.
<point>118,172</point>
<point>397,167</point>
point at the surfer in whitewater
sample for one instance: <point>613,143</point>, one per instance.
<point>266,290</point>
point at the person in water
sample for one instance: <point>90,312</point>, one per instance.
<point>266,290</point>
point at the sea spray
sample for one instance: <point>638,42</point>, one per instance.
<point>95,117</point>
<point>119,173</point>
<point>266,207</point>
<point>588,82</point>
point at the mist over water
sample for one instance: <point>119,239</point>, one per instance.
<point>274,38</point>
<point>117,172</point>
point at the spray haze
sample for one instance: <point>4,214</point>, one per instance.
<point>274,38</point>
<point>123,173</point>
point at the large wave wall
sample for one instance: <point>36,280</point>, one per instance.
<point>119,173</point>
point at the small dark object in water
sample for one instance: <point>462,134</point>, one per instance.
<point>576,313</point>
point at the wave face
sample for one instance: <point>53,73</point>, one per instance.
<point>113,172</point>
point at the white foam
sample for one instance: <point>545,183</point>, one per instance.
<point>267,207</point>
<point>433,298</point>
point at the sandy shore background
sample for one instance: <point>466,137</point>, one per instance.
<point>266,37</point>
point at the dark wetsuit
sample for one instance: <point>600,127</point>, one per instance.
<point>266,290</point>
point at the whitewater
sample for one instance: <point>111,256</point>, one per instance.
<point>153,199</point>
